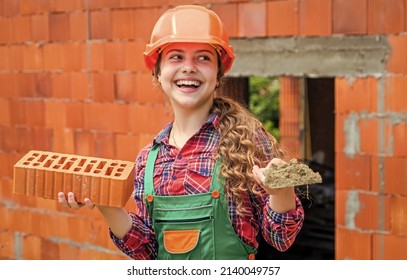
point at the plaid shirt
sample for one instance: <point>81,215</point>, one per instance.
<point>189,171</point>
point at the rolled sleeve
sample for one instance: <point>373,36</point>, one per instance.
<point>281,229</point>
<point>139,243</point>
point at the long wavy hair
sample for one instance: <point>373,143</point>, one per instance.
<point>239,149</point>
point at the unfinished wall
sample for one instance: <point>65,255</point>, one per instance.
<point>72,80</point>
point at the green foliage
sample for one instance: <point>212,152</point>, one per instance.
<point>264,102</point>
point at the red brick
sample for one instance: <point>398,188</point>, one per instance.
<point>141,116</point>
<point>63,140</point>
<point>355,172</point>
<point>399,139</point>
<point>74,57</point>
<point>31,247</point>
<point>21,29</point>
<point>133,51</point>
<point>42,138</point>
<point>53,57</point>
<point>16,57</point>
<point>340,135</point>
<point>114,56</point>
<point>6,187</point>
<point>100,25</point>
<point>122,24</point>
<point>72,5</point>
<point>28,7</point>
<point>107,116</point>
<point>127,146</point>
<point>33,57</point>
<point>369,136</point>
<point>85,143</point>
<point>103,86</point>
<point>97,51</point>
<point>125,86</point>
<point>389,247</point>
<point>357,96</point>
<point>74,114</point>
<point>397,62</point>
<point>6,30</point>
<point>229,16</point>
<point>35,113</point>
<point>43,85</point>
<point>396,94</point>
<point>26,84</point>
<point>146,92</point>
<point>77,26</point>
<point>79,85</point>
<point>59,27</point>
<point>359,250</point>
<point>252,19</point>
<point>104,181</point>
<point>386,16</point>
<point>316,17</point>
<point>8,143</point>
<point>101,4</point>
<point>55,114</point>
<point>341,198</point>
<point>349,16</point>
<point>105,145</point>
<point>145,18</point>
<point>7,245</point>
<point>283,18</point>
<point>4,60</point>
<point>372,209</point>
<point>40,27</point>
<point>398,215</point>
<point>11,8</point>
<point>4,112</point>
<point>17,110</point>
<point>61,85</point>
<point>8,85</point>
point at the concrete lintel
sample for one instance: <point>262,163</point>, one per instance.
<point>311,56</point>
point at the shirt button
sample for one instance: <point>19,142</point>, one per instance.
<point>174,177</point>
<point>179,156</point>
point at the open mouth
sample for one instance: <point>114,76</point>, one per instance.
<point>190,84</point>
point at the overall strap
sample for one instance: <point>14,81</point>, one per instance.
<point>148,176</point>
<point>217,182</point>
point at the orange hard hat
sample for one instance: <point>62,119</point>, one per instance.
<point>189,23</point>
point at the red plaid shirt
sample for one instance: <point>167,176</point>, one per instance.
<point>189,171</point>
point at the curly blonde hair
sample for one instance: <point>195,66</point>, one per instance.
<point>238,149</point>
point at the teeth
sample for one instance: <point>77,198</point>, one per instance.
<point>188,83</point>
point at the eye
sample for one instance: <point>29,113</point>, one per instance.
<point>175,57</point>
<point>204,58</point>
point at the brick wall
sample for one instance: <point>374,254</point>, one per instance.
<point>72,80</point>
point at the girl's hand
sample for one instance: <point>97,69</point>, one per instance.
<point>259,177</point>
<point>70,201</point>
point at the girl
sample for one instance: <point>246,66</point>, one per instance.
<point>199,184</point>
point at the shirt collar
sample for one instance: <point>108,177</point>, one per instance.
<point>164,134</point>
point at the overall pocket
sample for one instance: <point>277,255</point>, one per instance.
<point>185,233</point>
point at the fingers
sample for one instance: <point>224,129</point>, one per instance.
<point>69,201</point>
<point>258,175</point>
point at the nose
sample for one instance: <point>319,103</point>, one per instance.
<point>188,67</point>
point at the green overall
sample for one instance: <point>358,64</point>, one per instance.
<point>193,226</point>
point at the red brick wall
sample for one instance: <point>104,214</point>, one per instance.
<point>72,80</point>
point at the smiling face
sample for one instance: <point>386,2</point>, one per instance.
<point>188,74</point>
